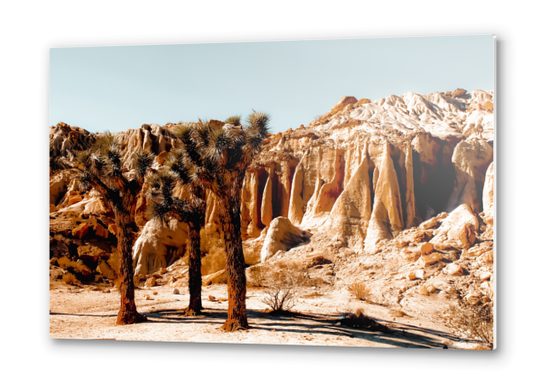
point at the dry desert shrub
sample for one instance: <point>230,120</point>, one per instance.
<point>281,288</point>
<point>360,290</point>
<point>69,278</point>
<point>75,266</point>
<point>472,321</point>
<point>359,320</point>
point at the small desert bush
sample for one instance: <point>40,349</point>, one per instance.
<point>359,320</point>
<point>472,321</point>
<point>69,278</point>
<point>77,267</point>
<point>282,286</point>
<point>360,290</point>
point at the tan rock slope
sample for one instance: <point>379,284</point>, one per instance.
<point>367,171</point>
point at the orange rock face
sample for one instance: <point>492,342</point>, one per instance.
<point>101,231</point>
<point>80,231</point>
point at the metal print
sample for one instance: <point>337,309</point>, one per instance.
<point>331,193</point>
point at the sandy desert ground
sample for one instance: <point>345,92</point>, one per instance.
<point>89,313</point>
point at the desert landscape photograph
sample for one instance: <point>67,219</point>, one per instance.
<point>326,192</point>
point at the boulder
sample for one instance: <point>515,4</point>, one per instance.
<point>427,248</point>
<point>252,248</point>
<point>159,245</point>
<point>427,260</point>
<point>423,290</point>
<point>454,270</point>
<point>485,275</point>
<point>282,235</point>
<point>431,223</point>
<point>430,288</point>
<point>458,230</point>
<point>220,277</point>
<point>151,282</point>
<point>420,274</point>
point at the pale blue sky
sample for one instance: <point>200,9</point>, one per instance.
<point>118,88</point>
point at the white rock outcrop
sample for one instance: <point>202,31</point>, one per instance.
<point>282,235</point>
<point>158,244</point>
<point>458,230</point>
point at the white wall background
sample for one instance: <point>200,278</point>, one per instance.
<point>28,29</point>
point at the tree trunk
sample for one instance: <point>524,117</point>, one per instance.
<point>128,313</point>
<point>194,270</point>
<point>235,268</point>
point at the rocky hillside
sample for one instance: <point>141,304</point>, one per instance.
<point>397,193</point>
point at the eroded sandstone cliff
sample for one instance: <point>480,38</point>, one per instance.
<point>367,171</point>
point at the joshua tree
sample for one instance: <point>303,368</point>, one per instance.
<point>101,169</point>
<point>190,211</point>
<point>217,155</point>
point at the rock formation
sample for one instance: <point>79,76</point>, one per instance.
<point>282,235</point>
<point>367,171</point>
<point>159,245</point>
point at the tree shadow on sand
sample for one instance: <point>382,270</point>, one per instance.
<point>395,334</point>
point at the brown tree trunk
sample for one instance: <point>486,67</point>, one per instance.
<point>194,270</point>
<point>235,268</point>
<point>128,313</point>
